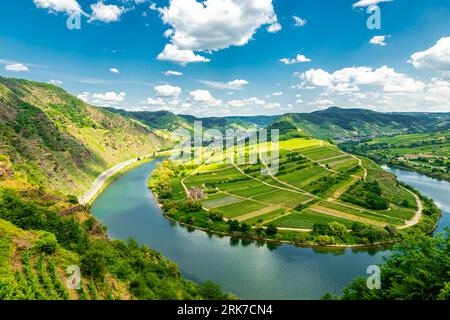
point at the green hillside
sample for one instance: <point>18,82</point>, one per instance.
<point>427,153</point>
<point>333,123</point>
<point>52,146</point>
<point>343,124</point>
<point>57,141</point>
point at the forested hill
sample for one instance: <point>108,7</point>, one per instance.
<point>54,140</point>
<point>52,146</point>
<point>335,123</point>
<point>341,124</point>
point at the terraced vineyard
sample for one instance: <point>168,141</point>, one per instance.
<point>314,184</point>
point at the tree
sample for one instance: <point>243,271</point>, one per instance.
<point>245,227</point>
<point>419,270</point>
<point>234,226</point>
<point>271,230</point>
<point>93,264</point>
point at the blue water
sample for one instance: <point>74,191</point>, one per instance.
<point>248,269</point>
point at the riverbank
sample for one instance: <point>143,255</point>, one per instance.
<point>107,177</point>
<point>192,214</point>
<point>251,269</point>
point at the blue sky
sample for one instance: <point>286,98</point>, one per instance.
<point>232,57</point>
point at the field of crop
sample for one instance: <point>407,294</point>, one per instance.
<point>427,153</point>
<point>306,188</point>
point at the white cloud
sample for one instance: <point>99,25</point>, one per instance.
<point>367,3</point>
<point>167,91</point>
<point>274,28</point>
<point>212,25</point>
<point>102,99</point>
<point>435,58</point>
<point>173,73</point>
<point>298,59</point>
<point>204,97</point>
<point>182,57</point>
<point>275,94</point>
<point>252,102</point>
<point>108,97</point>
<point>114,70</point>
<point>105,12</point>
<point>350,79</point>
<point>237,84</point>
<point>66,6</point>
<point>17,67</point>
<point>56,82</point>
<point>379,40</point>
<point>299,22</point>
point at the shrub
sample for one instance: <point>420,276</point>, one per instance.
<point>271,230</point>
<point>47,243</point>
<point>93,264</point>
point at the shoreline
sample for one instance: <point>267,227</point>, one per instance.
<point>299,245</point>
<point>116,174</point>
<point>109,177</point>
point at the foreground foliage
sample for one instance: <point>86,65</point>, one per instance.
<point>419,270</point>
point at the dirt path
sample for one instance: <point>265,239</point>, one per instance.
<point>415,220</point>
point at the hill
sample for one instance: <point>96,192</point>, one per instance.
<point>427,153</point>
<point>333,123</point>
<point>317,196</point>
<point>57,141</point>
<point>346,124</point>
<point>52,146</point>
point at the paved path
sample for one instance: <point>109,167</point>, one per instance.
<point>100,181</point>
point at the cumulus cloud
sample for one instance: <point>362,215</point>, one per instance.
<point>167,91</point>
<point>212,25</point>
<point>350,79</point>
<point>173,73</point>
<point>298,59</point>
<point>299,22</point>
<point>103,99</point>
<point>66,6</point>
<point>237,84</point>
<point>435,58</point>
<point>367,3</point>
<point>16,67</point>
<point>379,40</point>
<point>274,28</point>
<point>252,102</point>
<point>182,57</point>
<point>203,97</point>
<point>114,70</point>
<point>105,12</point>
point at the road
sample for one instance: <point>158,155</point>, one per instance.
<point>101,179</point>
<point>415,220</point>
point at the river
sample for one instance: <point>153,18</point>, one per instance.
<point>250,270</point>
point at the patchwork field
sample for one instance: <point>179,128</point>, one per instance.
<point>315,182</point>
<point>427,153</point>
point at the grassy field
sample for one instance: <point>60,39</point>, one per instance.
<point>308,188</point>
<point>427,153</point>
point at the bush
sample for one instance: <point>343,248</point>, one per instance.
<point>271,230</point>
<point>234,226</point>
<point>326,240</point>
<point>245,227</point>
<point>47,243</point>
<point>215,215</point>
<point>93,264</point>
